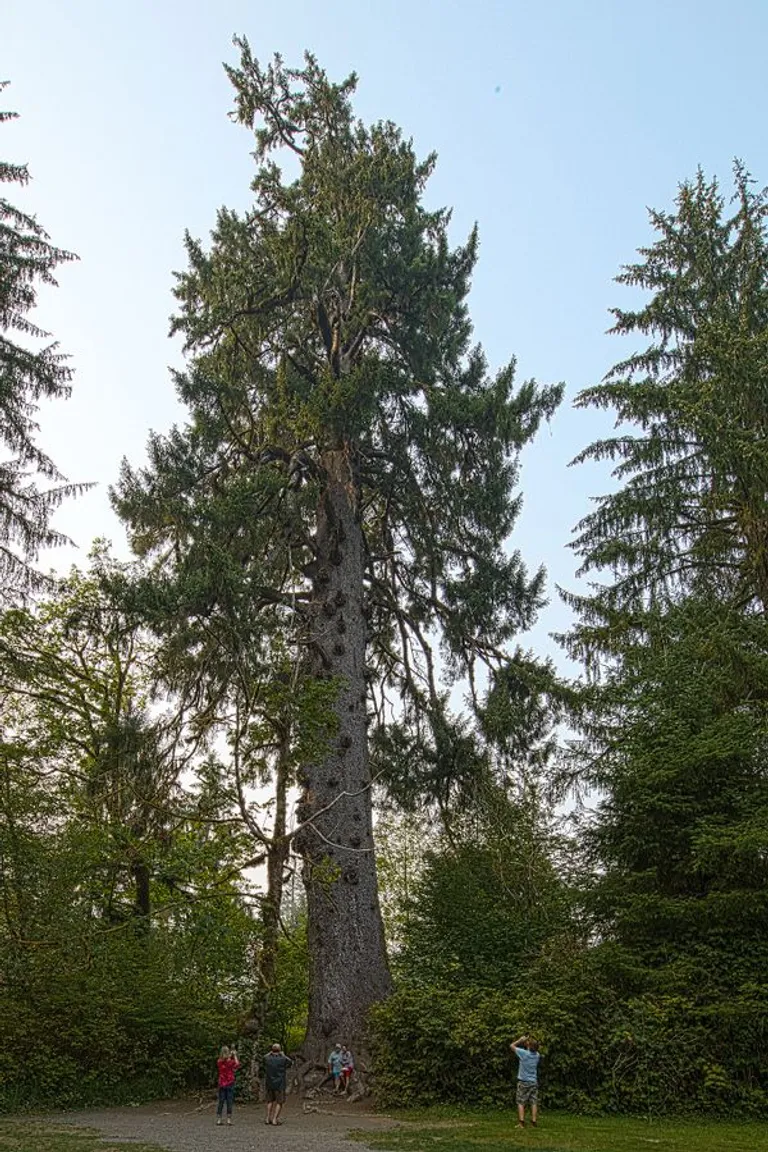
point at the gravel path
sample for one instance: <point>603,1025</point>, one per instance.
<point>179,1126</point>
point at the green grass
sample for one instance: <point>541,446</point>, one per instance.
<point>473,1131</point>
<point>22,1135</point>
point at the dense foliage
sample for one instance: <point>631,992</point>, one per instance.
<point>662,1002</point>
<point>677,722</point>
<point>124,935</point>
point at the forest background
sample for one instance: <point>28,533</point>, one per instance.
<point>551,291</point>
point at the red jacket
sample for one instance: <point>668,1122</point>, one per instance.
<point>227,1069</point>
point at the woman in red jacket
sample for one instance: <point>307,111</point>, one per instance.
<point>228,1064</point>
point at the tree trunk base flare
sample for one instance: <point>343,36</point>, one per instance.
<point>312,1081</point>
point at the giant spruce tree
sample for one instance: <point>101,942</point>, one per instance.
<point>348,467</point>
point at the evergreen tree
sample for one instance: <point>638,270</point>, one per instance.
<point>677,719</point>
<point>692,449</point>
<point>29,372</point>
<point>678,742</point>
<point>348,457</point>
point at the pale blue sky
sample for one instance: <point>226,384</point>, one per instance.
<point>556,123</point>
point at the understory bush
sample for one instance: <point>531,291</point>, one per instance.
<point>122,1027</point>
<point>606,1046</point>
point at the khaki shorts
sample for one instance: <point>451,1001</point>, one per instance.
<point>275,1095</point>
<point>527,1093</point>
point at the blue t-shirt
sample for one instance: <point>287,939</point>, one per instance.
<point>334,1060</point>
<point>529,1064</point>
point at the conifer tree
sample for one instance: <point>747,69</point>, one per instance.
<point>676,728</point>
<point>691,514</point>
<point>30,371</point>
<point>348,458</point>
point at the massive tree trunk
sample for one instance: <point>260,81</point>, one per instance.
<point>348,965</point>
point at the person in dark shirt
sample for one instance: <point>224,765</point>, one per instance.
<point>276,1064</point>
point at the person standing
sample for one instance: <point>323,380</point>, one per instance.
<point>334,1067</point>
<point>276,1064</point>
<point>527,1052</point>
<point>227,1065</point>
<point>347,1067</point>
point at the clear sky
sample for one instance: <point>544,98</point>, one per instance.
<point>556,124</point>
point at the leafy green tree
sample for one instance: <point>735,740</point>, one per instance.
<point>481,915</point>
<point>124,917</point>
<point>348,458</point>
<point>237,671</point>
<point>488,901</point>
<point>83,669</point>
<point>402,842</point>
<point>30,371</point>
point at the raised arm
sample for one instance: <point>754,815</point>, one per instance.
<point>518,1043</point>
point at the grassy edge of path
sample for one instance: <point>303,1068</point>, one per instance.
<point>454,1130</point>
<point>18,1134</point>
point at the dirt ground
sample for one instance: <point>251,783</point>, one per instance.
<point>182,1126</point>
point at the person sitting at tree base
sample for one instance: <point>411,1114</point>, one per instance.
<point>527,1052</point>
<point>334,1067</point>
<point>347,1068</point>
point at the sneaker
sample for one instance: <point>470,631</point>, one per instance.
<point>229,1123</point>
<point>519,1125</point>
<point>218,1120</point>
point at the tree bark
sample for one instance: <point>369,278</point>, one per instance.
<point>277,856</point>
<point>142,903</point>
<point>348,964</point>
<point>266,959</point>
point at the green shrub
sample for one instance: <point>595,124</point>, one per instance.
<point>605,1047</point>
<point>119,1029</point>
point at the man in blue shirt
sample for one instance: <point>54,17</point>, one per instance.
<point>527,1052</point>
<point>334,1067</point>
